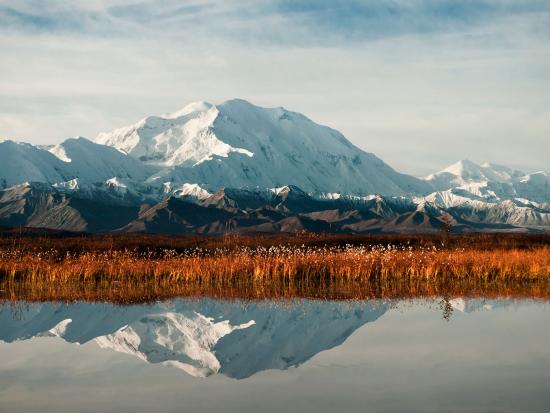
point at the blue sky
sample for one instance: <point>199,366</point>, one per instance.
<point>421,83</point>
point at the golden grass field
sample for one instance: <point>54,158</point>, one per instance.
<point>143,268</point>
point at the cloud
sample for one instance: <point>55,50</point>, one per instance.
<point>420,83</point>
<point>288,22</point>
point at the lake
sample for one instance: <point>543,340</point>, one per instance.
<point>208,355</point>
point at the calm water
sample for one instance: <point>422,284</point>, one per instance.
<point>311,356</point>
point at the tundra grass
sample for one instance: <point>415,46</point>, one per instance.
<point>248,267</point>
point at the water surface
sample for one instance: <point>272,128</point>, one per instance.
<point>301,355</point>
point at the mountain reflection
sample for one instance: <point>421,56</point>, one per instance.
<point>202,337</point>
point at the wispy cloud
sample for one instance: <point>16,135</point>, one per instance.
<point>296,22</point>
<point>420,83</point>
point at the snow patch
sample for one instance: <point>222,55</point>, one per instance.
<point>71,185</point>
<point>193,191</point>
<point>60,328</point>
<point>59,151</point>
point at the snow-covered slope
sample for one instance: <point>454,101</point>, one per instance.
<point>515,211</point>
<point>238,144</point>
<point>75,163</point>
<point>22,162</point>
<point>491,182</point>
<point>181,138</point>
<point>201,337</point>
<point>466,172</point>
<point>240,156</point>
<point>90,162</point>
<point>490,194</point>
<point>533,187</point>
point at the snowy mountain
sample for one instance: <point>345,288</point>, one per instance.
<point>73,163</point>
<point>90,162</point>
<point>239,167</point>
<point>489,194</point>
<point>491,182</point>
<point>201,337</point>
<point>238,144</point>
<point>473,209</point>
<point>466,172</point>
<point>23,162</point>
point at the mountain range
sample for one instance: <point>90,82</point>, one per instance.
<point>237,167</point>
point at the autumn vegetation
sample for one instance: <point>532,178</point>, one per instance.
<point>126,268</point>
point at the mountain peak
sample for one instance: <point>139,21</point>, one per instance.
<point>466,172</point>
<point>238,101</point>
<point>470,170</point>
<point>239,144</point>
<point>198,106</point>
<point>461,167</point>
<point>202,106</point>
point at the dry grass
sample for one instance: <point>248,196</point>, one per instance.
<point>35,240</point>
<point>106,268</point>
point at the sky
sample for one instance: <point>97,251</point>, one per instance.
<point>420,83</point>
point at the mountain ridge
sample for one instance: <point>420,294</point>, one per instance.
<point>237,144</point>
<point>240,167</point>
<point>246,211</point>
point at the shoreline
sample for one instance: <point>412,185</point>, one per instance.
<point>325,267</point>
